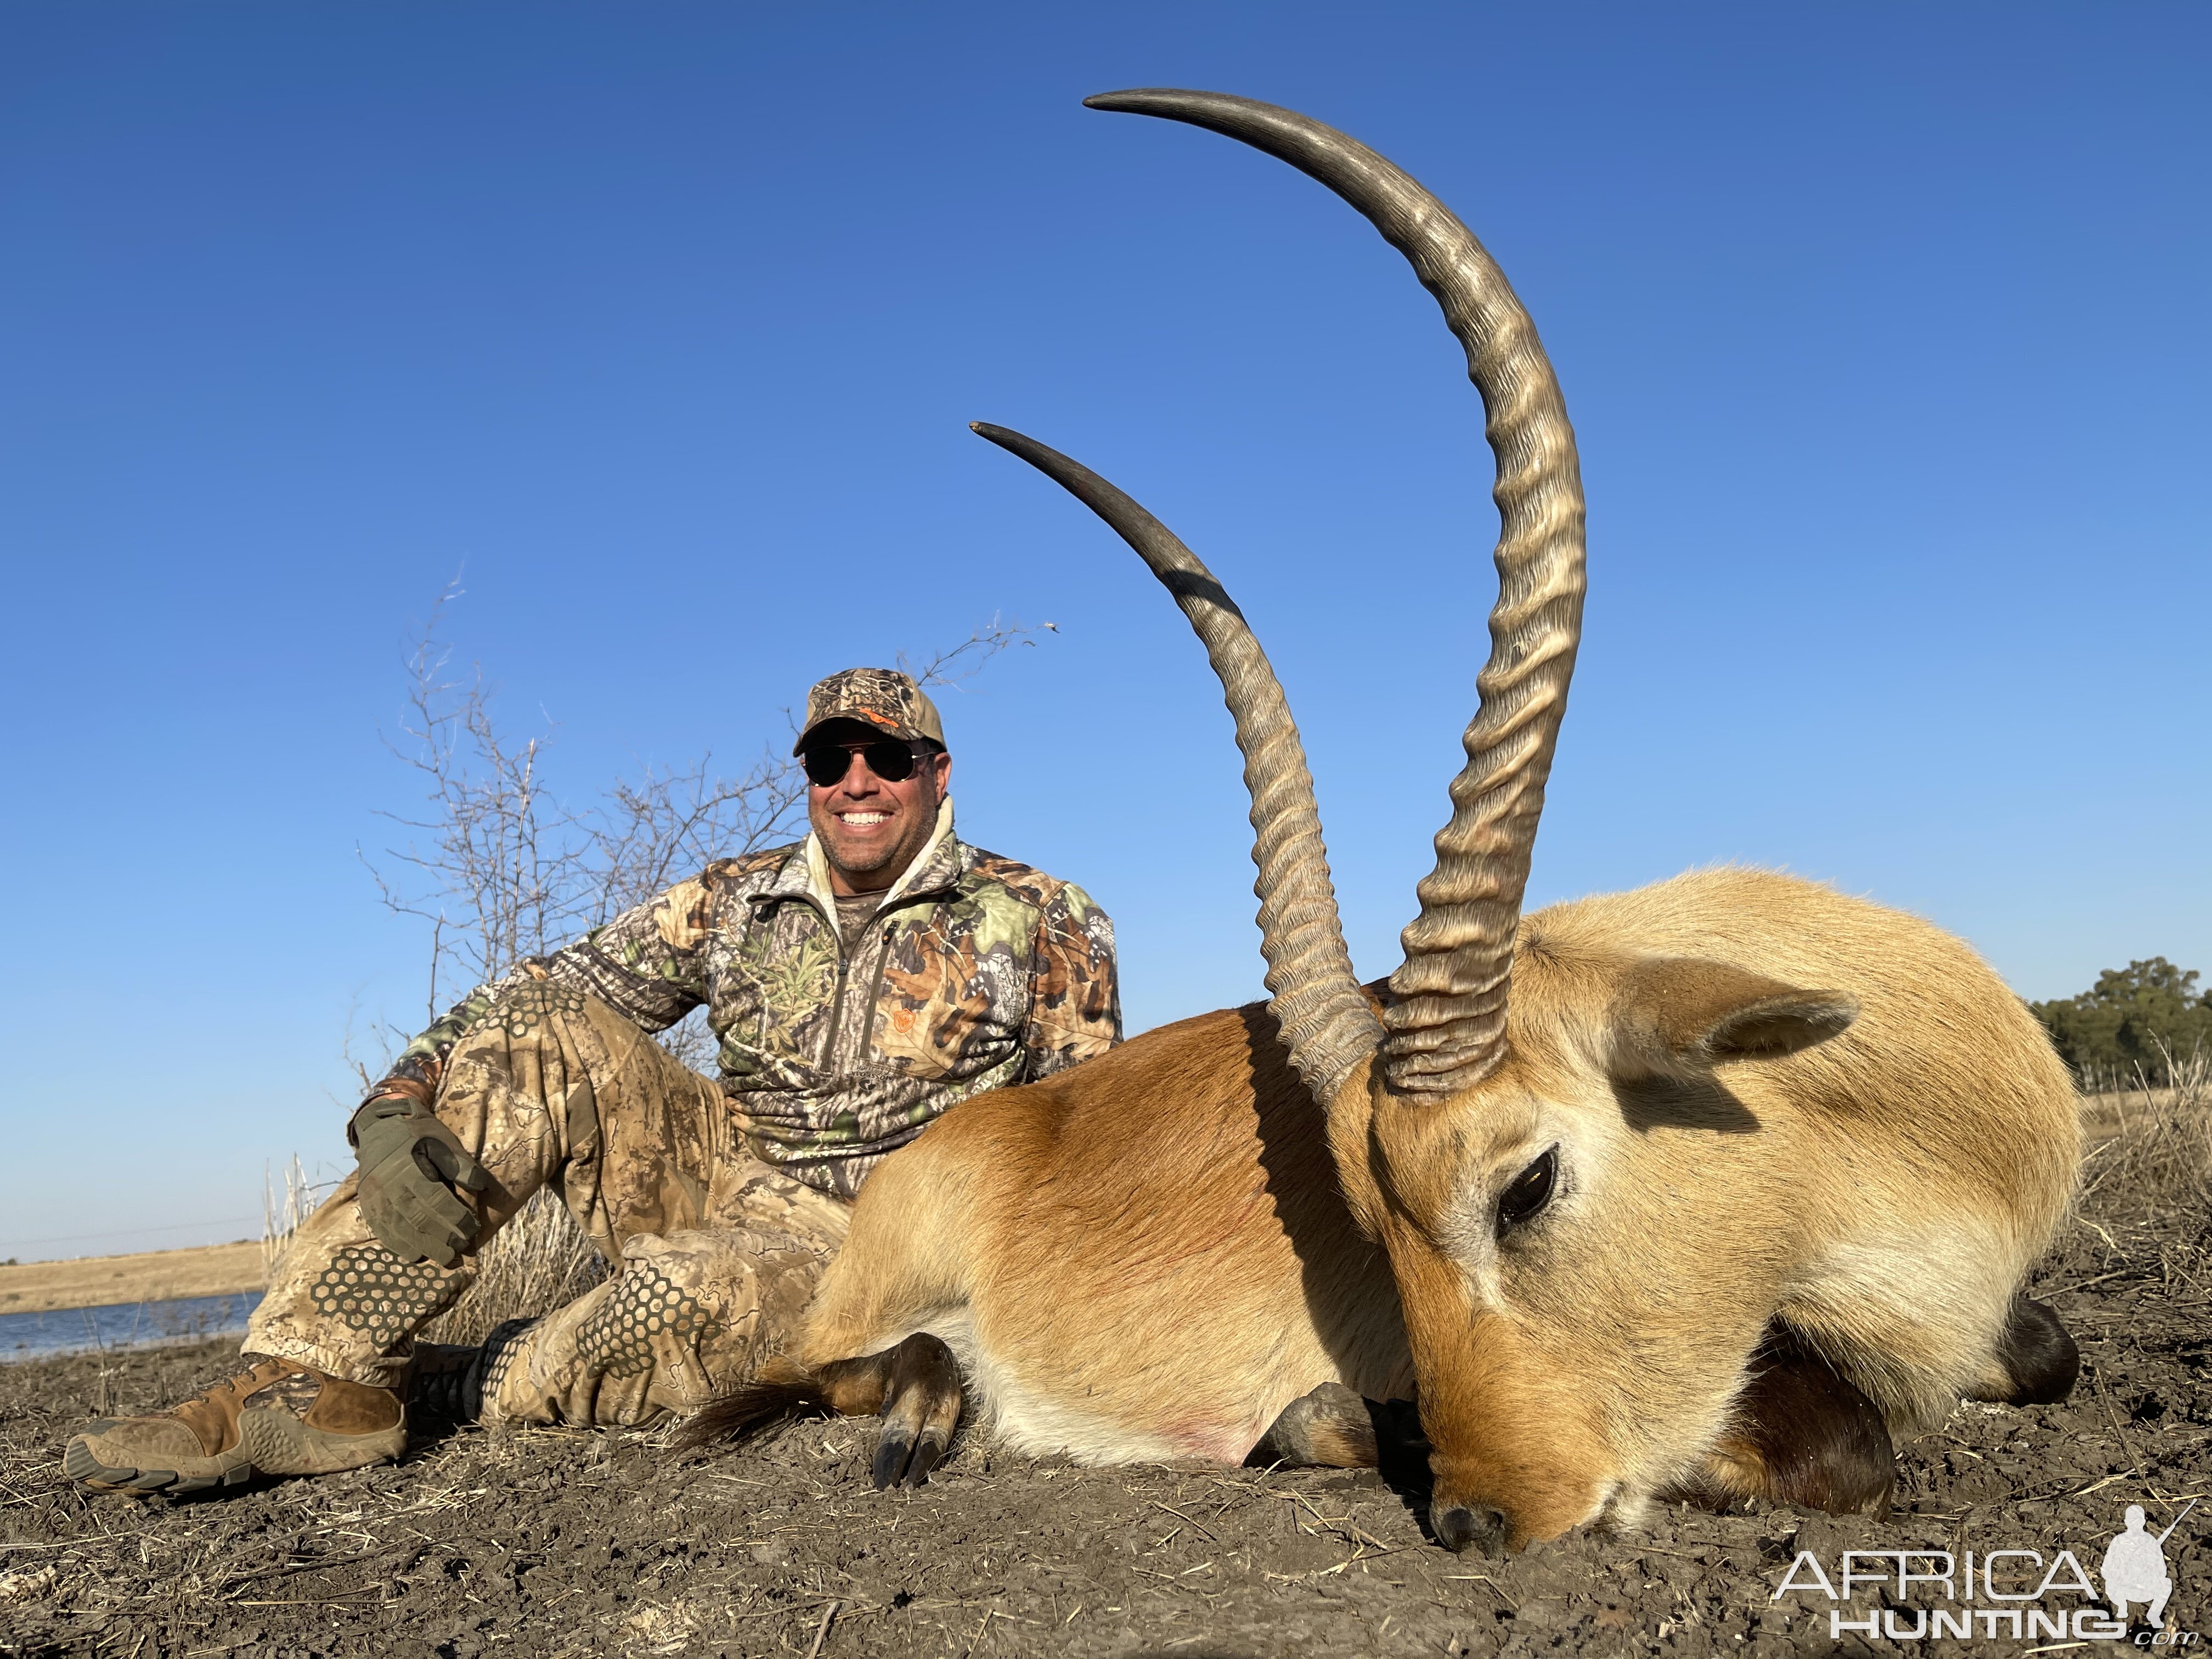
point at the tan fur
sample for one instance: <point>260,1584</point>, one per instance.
<point>1884,1192</point>
<point>1086,1245</point>
<point>1156,1253</point>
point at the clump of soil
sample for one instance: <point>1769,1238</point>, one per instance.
<point>561,1545</point>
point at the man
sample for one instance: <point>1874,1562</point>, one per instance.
<point>2135,1569</point>
<point>860,983</point>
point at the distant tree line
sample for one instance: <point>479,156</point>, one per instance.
<point>2143,1019</point>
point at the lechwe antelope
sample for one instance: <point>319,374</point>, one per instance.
<point>1702,1189</point>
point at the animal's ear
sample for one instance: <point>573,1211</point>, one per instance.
<point>1682,1013</point>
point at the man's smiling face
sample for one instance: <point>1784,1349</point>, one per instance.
<point>871,829</point>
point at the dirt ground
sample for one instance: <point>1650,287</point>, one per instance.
<point>559,1545</point>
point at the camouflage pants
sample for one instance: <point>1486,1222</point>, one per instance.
<point>717,1254</point>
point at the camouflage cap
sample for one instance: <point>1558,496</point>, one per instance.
<point>880,697</point>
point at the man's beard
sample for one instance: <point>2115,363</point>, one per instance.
<point>863,860</point>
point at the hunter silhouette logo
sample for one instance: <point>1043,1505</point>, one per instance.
<point>2134,1567</point>
<point>1998,1593</point>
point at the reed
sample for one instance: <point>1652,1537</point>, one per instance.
<point>2150,1165</point>
<point>538,1261</point>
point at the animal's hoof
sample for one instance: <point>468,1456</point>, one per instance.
<point>901,1457</point>
<point>921,1408</point>
<point>927,1456</point>
<point>891,1451</point>
<point>1460,1528</point>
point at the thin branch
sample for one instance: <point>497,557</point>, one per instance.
<point>954,668</point>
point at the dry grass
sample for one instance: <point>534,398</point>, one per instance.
<point>280,1217</point>
<point>2155,1144</point>
<point>143,1276</point>
<point>2151,1162</point>
<point>538,1261</point>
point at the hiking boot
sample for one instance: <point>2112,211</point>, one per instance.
<point>273,1417</point>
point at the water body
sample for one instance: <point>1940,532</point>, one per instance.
<point>123,1325</point>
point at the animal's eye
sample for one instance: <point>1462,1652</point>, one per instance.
<point>1530,1192</point>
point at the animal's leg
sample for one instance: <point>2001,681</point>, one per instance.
<point>1799,1434</point>
<point>920,1409</point>
<point>909,1383</point>
<point>2036,1362</point>
<point>1331,1428</point>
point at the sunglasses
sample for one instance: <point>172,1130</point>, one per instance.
<point>888,759</point>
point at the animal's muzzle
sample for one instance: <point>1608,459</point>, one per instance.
<point>1462,1527</point>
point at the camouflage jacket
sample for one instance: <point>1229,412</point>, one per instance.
<point>973,972</point>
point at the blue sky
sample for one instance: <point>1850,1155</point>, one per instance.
<point>1883,329</point>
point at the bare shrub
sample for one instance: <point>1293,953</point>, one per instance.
<point>501,870</point>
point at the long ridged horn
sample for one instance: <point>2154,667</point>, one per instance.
<point>1319,1008</point>
<point>1447,1021</point>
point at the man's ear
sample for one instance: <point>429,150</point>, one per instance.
<point>1682,1014</point>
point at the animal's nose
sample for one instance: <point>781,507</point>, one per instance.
<point>1460,1528</point>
